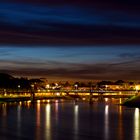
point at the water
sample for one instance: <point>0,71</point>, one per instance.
<point>67,120</point>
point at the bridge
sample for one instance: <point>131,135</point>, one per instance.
<point>74,94</point>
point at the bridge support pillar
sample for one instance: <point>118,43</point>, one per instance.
<point>76,93</point>
<point>67,93</point>
<point>100,98</point>
<point>90,98</point>
<point>32,96</point>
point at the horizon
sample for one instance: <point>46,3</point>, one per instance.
<point>72,63</point>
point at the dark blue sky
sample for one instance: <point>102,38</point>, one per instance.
<point>70,39</point>
<point>70,23</point>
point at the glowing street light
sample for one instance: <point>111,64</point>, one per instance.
<point>137,87</point>
<point>47,86</point>
<point>106,86</point>
<point>76,86</point>
<point>32,85</point>
<point>18,87</point>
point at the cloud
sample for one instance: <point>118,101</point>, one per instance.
<point>67,24</point>
<point>64,70</point>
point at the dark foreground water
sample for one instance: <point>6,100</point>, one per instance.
<point>63,120</point>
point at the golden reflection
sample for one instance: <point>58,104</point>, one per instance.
<point>48,122</point>
<point>19,119</point>
<point>120,124</point>
<point>38,114</point>
<point>136,124</point>
<point>56,111</point>
<point>28,104</point>
<point>120,100</point>
<point>106,122</point>
<point>4,117</point>
<point>76,111</point>
<point>38,101</point>
<point>4,109</point>
<point>120,110</point>
<point>20,103</point>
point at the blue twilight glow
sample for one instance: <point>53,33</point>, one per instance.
<point>72,62</point>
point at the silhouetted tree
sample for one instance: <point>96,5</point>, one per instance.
<point>119,82</point>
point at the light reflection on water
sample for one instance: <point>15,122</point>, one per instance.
<point>120,124</point>
<point>120,101</point>
<point>76,111</point>
<point>48,122</point>
<point>4,109</point>
<point>136,124</point>
<point>19,120</point>
<point>65,120</point>
<point>106,122</point>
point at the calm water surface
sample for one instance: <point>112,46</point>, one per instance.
<point>63,120</point>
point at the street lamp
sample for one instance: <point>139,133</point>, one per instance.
<point>76,87</point>
<point>18,88</point>
<point>137,88</point>
<point>32,86</point>
<point>106,86</point>
<point>47,86</point>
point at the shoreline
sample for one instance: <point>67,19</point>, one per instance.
<point>132,102</point>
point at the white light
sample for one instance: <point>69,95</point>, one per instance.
<point>38,101</point>
<point>76,111</point>
<point>47,86</point>
<point>57,94</point>
<point>136,124</point>
<point>137,87</point>
<point>48,122</point>
<point>106,122</point>
<point>106,99</point>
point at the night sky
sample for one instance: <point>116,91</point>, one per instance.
<point>70,40</point>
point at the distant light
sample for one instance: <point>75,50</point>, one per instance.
<point>137,87</point>
<point>47,86</point>
<point>76,85</point>
<point>38,101</point>
<point>57,94</point>
<point>56,101</point>
<point>28,101</point>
